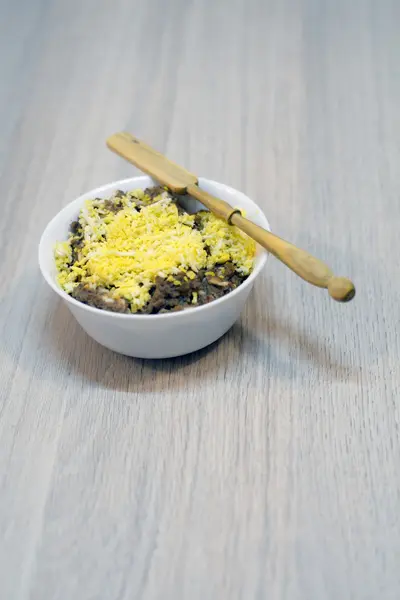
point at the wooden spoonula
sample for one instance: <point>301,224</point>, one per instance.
<point>180,181</point>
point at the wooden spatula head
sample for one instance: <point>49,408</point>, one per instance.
<point>151,162</point>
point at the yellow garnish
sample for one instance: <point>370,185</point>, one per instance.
<point>126,251</point>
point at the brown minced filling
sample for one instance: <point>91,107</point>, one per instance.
<point>167,296</point>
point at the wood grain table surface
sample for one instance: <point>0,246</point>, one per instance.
<point>266,466</point>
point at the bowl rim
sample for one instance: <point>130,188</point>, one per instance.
<point>143,317</point>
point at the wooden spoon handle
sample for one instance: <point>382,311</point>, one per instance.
<point>305,265</point>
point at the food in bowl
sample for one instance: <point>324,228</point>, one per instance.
<point>140,252</point>
<point>153,336</point>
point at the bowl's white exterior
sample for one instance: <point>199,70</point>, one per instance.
<point>153,336</point>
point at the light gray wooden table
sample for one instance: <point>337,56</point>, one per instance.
<point>268,466</point>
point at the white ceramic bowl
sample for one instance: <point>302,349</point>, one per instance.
<point>153,336</point>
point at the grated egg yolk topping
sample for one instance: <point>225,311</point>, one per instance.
<point>126,251</point>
